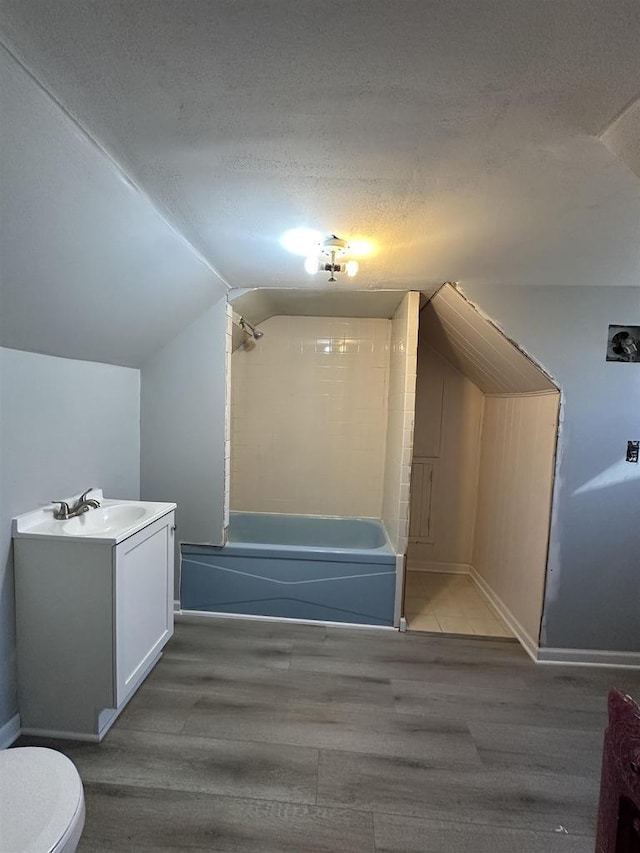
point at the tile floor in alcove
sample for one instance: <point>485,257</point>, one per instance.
<point>451,604</point>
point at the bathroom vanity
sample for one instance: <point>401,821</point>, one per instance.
<point>94,608</point>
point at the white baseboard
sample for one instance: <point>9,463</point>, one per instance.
<point>550,656</point>
<point>10,731</point>
<point>176,606</point>
<point>574,657</point>
<point>526,640</point>
<point>62,735</point>
<point>443,568</point>
<point>589,657</point>
<point>185,616</point>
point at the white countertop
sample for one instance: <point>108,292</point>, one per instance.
<point>41,524</point>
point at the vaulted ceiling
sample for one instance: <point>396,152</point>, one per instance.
<point>464,138</point>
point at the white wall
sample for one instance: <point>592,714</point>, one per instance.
<point>592,596</point>
<point>517,455</point>
<point>182,427</point>
<point>90,269</point>
<point>402,385</point>
<point>64,426</point>
<point>309,417</point>
<point>446,445</point>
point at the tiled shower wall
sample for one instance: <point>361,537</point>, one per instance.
<point>309,417</point>
<point>402,398</point>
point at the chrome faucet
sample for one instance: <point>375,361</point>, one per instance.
<point>62,513</point>
<point>83,504</point>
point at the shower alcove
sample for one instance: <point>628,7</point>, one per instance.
<point>482,476</point>
<point>320,428</point>
<point>321,446</point>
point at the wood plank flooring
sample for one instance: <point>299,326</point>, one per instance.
<point>258,737</point>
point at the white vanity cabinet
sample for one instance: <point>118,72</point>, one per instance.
<point>143,605</point>
<point>92,619</point>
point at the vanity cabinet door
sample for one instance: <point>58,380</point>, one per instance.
<point>143,610</point>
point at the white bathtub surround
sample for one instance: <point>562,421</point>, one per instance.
<point>399,444</point>
<point>309,417</point>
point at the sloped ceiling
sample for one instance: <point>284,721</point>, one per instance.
<point>89,269</point>
<point>478,349</point>
<point>462,137</point>
<point>623,137</point>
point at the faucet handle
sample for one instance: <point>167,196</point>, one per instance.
<point>84,502</point>
<point>63,512</point>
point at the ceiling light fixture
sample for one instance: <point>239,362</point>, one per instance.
<point>327,257</point>
<point>301,241</point>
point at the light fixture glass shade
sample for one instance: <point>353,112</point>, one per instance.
<point>301,241</point>
<point>351,268</point>
<point>312,265</point>
<point>362,248</point>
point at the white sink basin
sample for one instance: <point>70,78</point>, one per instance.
<point>113,521</point>
<point>106,519</point>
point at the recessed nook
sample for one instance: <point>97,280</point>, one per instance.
<point>482,477</point>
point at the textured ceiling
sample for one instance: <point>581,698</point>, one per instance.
<point>461,136</point>
<point>623,137</point>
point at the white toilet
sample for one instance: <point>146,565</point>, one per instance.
<point>41,802</point>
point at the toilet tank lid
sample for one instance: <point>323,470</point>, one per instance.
<point>40,795</point>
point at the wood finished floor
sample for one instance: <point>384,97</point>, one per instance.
<point>258,737</point>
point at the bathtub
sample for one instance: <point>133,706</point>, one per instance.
<point>295,567</point>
